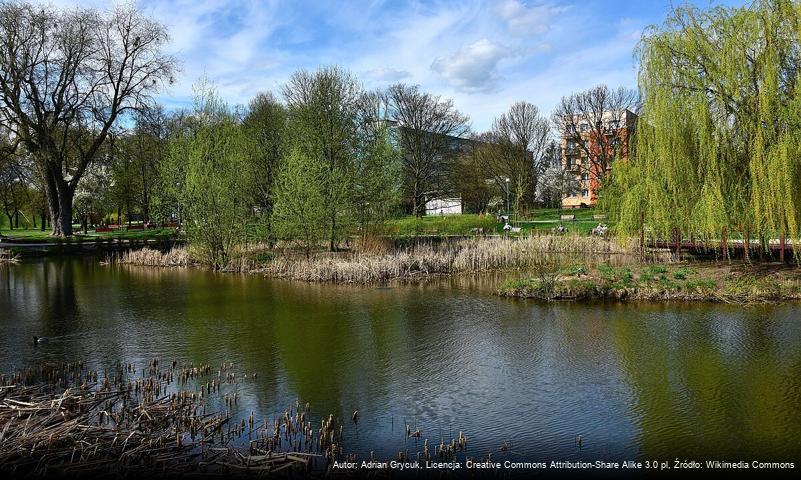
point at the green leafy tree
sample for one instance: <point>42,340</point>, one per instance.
<point>208,158</point>
<point>717,147</point>
<point>377,170</point>
<point>322,127</point>
<point>265,127</point>
<point>300,213</point>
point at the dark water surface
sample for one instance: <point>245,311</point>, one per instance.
<point>636,381</point>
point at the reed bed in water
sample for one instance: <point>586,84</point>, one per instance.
<point>374,265</point>
<point>469,255</point>
<point>70,420</point>
<point>148,257</point>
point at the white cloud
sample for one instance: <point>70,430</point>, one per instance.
<point>526,21</point>
<point>472,68</point>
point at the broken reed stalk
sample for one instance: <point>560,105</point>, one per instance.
<point>69,419</point>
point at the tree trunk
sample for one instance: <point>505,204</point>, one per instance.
<point>677,238</point>
<point>747,244</point>
<point>51,194</point>
<point>16,219</point>
<point>782,243</point>
<point>10,221</point>
<point>64,214</point>
<point>333,231</point>
<point>59,198</point>
<point>724,243</point>
<point>642,237</point>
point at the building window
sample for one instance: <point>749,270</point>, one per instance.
<point>584,127</point>
<point>585,176</point>
<point>585,193</point>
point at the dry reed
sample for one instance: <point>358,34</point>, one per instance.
<point>148,257</point>
<point>376,262</point>
<point>469,255</point>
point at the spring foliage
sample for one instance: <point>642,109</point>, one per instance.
<point>208,159</point>
<point>717,146</point>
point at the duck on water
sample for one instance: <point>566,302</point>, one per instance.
<point>38,340</point>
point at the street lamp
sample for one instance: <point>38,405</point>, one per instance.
<point>507,195</point>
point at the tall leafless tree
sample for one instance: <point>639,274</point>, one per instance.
<point>66,78</point>
<point>595,122</point>
<point>429,128</point>
<point>519,140</point>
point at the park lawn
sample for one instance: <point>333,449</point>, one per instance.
<point>32,235</point>
<point>411,226</point>
<point>540,214</point>
<point>536,221</point>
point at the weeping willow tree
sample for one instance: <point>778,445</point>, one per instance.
<point>718,148</point>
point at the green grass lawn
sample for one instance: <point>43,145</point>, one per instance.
<point>540,221</point>
<point>440,225</point>
<point>36,235</point>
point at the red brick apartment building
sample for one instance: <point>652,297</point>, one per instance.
<point>583,142</point>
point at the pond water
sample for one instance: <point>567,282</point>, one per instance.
<point>638,381</point>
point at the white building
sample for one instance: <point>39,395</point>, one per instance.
<point>444,206</point>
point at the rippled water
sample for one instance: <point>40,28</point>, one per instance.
<point>636,381</point>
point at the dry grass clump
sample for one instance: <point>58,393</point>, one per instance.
<point>374,260</point>
<point>148,257</point>
<point>470,255</point>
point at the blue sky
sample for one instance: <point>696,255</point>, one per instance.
<point>483,54</point>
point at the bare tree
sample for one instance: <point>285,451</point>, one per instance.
<point>66,77</point>
<point>596,123</point>
<point>428,126</point>
<point>520,138</point>
<point>556,181</point>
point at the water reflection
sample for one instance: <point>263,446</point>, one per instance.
<point>647,381</point>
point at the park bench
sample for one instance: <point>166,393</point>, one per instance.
<point>567,217</point>
<point>599,217</point>
<point>103,229</point>
<point>136,227</point>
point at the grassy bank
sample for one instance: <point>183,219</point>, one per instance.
<point>732,283</point>
<point>420,260</point>
<point>535,221</point>
<point>38,236</point>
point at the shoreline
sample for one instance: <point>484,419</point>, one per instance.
<point>735,283</point>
